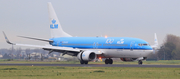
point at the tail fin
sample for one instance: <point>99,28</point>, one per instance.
<point>55,27</point>
<point>155,42</point>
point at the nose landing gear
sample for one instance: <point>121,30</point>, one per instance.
<point>109,61</point>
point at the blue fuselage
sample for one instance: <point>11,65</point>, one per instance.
<point>101,43</point>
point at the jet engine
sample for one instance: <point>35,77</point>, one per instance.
<point>86,56</point>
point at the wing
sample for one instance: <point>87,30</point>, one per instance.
<point>64,50</point>
<point>37,39</point>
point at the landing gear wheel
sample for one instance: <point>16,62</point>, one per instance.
<point>109,61</point>
<point>84,62</point>
<point>106,61</point>
<point>140,62</point>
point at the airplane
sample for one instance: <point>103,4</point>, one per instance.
<point>87,49</point>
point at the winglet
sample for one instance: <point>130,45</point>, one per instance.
<point>7,39</point>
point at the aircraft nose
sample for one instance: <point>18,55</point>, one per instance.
<point>150,48</point>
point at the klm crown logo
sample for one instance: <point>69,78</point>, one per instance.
<point>53,25</point>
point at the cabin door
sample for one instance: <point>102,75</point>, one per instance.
<point>132,45</point>
<point>95,45</point>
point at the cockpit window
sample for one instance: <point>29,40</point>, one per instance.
<point>143,44</point>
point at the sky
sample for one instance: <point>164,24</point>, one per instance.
<point>90,18</point>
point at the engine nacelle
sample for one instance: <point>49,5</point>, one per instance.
<point>86,56</point>
<point>128,59</point>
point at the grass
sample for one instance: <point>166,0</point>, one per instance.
<point>160,62</point>
<point>38,72</point>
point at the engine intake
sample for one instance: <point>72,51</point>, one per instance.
<point>86,56</point>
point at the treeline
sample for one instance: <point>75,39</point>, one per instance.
<point>169,50</point>
<point>20,53</point>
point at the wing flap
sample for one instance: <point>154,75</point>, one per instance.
<point>51,47</point>
<point>41,39</point>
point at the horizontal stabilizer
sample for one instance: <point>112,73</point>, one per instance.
<point>41,39</point>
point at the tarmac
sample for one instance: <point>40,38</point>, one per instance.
<point>92,65</point>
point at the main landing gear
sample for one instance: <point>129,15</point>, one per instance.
<point>140,62</point>
<point>84,62</point>
<point>109,61</point>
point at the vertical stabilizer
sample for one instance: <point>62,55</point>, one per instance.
<point>155,40</point>
<point>155,44</point>
<point>55,26</point>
